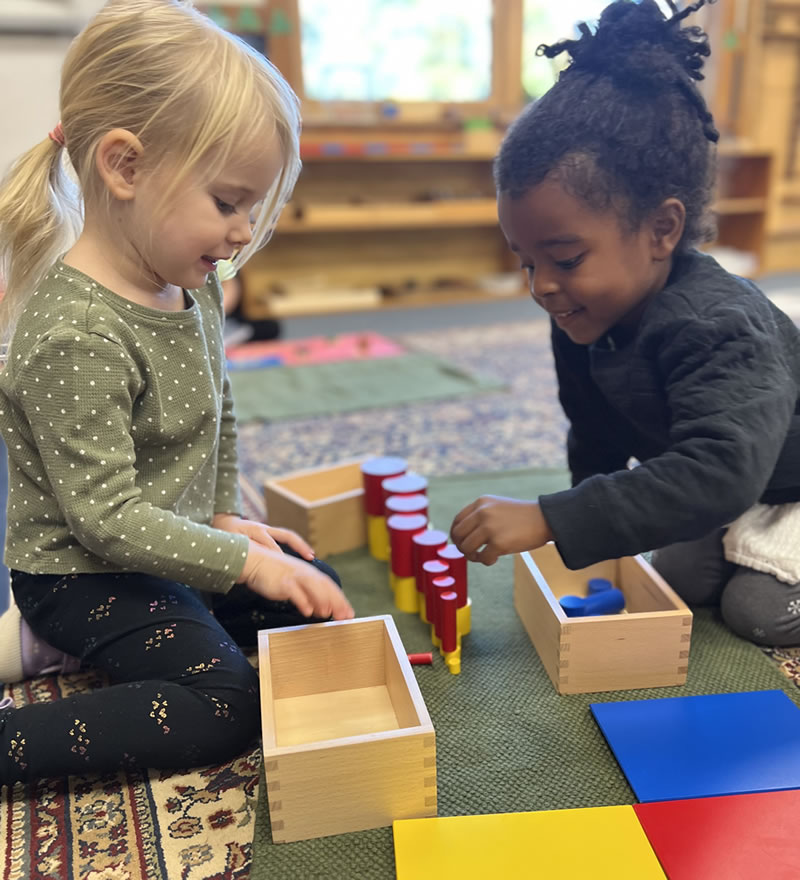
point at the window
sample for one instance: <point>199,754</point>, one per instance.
<point>546,22</point>
<point>398,50</point>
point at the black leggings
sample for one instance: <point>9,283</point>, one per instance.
<point>181,691</point>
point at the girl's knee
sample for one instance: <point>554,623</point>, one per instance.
<point>696,570</point>
<point>233,712</point>
<point>760,608</point>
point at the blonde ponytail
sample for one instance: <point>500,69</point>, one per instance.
<point>40,218</point>
<point>191,93</point>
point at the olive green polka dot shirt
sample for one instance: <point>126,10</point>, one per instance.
<point>121,436</point>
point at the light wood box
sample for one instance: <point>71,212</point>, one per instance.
<point>348,742</point>
<point>325,505</point>
<point>647,645</point>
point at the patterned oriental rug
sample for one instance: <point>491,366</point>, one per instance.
<point>199,825</point>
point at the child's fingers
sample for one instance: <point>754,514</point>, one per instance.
<point>463,514</point>
<point>326,599</point>
<point>261,535</point>
<point>295,593</point>
<point>292,539</point>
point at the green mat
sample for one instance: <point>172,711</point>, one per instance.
<point>276,393</point>
<point>505,740</point>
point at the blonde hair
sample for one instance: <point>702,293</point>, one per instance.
<point>189,91</point>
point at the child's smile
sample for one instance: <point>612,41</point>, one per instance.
<point>585,270</point>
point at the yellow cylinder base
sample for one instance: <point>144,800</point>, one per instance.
<point>464,619</point>
<point>405,593</point>
<point>421,607</point>
<point>453,660</point>
<point>378,538</point>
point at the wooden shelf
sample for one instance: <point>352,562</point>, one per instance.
<point>426,220</point>
<point>425,297</point>
<point>388,215</point>
<point>748,205</point>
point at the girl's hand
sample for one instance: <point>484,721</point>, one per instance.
<point>279,576</point>
<point>261,533</point>
<point>500,526</point>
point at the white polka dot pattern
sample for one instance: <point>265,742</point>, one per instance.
<point>119,424</point>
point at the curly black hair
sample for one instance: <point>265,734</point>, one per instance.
<point>625,126</point>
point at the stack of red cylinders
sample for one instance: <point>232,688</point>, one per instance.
<point>402,528</point>
<point>432,569</point>
<point>406,484</point>
<point>425,547</point>
<point>442,585</point>
<point>406,504</point>
<point>458,571</point>
<point>373,472</point>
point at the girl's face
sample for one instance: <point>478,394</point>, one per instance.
<point>206,220</point>
<point>585,270</point>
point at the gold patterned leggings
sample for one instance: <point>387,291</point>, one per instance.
<point>181,693</point>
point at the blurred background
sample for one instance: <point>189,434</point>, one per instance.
<point>405,102</point>
<point>393,224</point>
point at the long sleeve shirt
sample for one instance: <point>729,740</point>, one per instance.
<point>121,436</point>
<point>703,392</point>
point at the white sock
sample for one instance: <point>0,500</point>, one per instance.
<point>11,645</point>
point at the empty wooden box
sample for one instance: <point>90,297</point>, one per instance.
<point>348,742</point>
<point>647,645</point>
<point>325,505</point>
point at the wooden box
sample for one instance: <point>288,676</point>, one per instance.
<point>325,505</point>
<point>348,742</point>
<point>646,645</point>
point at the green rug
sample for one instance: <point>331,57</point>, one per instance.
<point>276,393</point>
<point>505,741</point>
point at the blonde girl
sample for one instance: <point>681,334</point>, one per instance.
<point>124,518</point>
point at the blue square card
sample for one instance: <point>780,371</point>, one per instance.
<point>690,747</point>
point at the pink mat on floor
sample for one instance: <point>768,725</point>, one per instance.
<point>314,350</point>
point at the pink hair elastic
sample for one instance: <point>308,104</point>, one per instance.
<point>57,135</point>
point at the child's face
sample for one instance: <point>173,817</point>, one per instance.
<point>584,269</point>
<point>206,220</point>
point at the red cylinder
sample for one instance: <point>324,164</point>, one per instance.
<point>443,584</point>
<point>431,569</point>
<point>458,569</point>
<point>407,484</point>
<point>402,528</point>
<point>425,546</point>
<point>448,609</point>
<point>407,504</point>
<point>373,472</point>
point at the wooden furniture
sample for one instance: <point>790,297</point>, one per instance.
<point>411,217</point>
<point>744,177</point>
<point>420,225</point>
<point>645,646</point>
<point>348,743</point>
<point>323,505</point>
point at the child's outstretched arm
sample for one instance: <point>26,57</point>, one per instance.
<point>279,576</point>
<point>499,526</point>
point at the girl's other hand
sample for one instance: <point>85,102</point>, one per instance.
<point>279,576</point>
<point>261,533</point>
<point>499,526</point>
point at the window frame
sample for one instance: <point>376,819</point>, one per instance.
<point>505,96</point>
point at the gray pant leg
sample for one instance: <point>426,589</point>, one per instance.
<point>756,606</point>
<point>696,570</point>
<point>759,607</point>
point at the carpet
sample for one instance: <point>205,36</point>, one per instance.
<point>278,393</point>
<point>156,825</point>
<point>505,740</point>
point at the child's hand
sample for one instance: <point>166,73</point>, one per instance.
<point>500,526</point>
<point>279,576</point>
<point>262,533</point>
